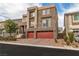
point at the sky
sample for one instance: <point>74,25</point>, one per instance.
<point>16,10</point>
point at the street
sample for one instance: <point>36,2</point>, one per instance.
<point>19,50</point>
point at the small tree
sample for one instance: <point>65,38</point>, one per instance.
<point>71,37</point>
<point>67,40</point>
<point>10,26</point>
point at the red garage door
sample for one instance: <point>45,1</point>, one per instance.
<point>44,34</point>
<point>30,34</point>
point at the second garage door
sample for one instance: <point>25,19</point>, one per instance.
<point>45,34</point>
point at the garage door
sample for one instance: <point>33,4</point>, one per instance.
<point>30,34</point>
<point>44,34</point>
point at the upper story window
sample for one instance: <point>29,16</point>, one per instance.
<point>46,22</point>
<point>32,14</point>
<point>31,25</point>
<point>76,17</point>
<point>47,11</point>
<point>24,19</point>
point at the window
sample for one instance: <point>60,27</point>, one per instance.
<point>32,14</point>
<point>76,17</point>
<point>24,19</point>
<point>46,22</point>
<point>47,11</point>
<point>32,20</point>
<point>31,24</point>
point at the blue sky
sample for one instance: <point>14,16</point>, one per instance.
<point>16,10</point>
<point>60,5</point>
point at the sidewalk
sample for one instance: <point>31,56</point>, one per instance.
<point>47,43</point>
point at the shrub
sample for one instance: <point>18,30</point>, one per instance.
<point>1,38</point>
<point>10,38</point>
<point>71,37</point>
<point>68,42</point>
<point>65,38</point>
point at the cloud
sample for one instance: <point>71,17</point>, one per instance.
<point>74,8</point>
<point>61,16</point>
<point>60,20</point>
<point>14,10</point>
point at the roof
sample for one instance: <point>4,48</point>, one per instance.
<point>46,7</point>
<point>16,19</point>
<point>22,23</point>
<point>72,13</point>
<point>12,19</point>
<point>42,7</point>
<point>24,15</point>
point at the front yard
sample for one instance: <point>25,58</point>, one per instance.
<point>47,42</point>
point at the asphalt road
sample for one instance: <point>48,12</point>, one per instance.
<point>17,50</point>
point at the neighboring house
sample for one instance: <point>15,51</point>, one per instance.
<point>71,22</point>
<point>2,30</point>
<point>42,22</point>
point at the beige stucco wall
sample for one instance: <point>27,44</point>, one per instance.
<point>68,23</point>
<point>24,19</point>
<point>1,25</point>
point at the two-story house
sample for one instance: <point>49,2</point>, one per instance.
<point>71,22</point>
